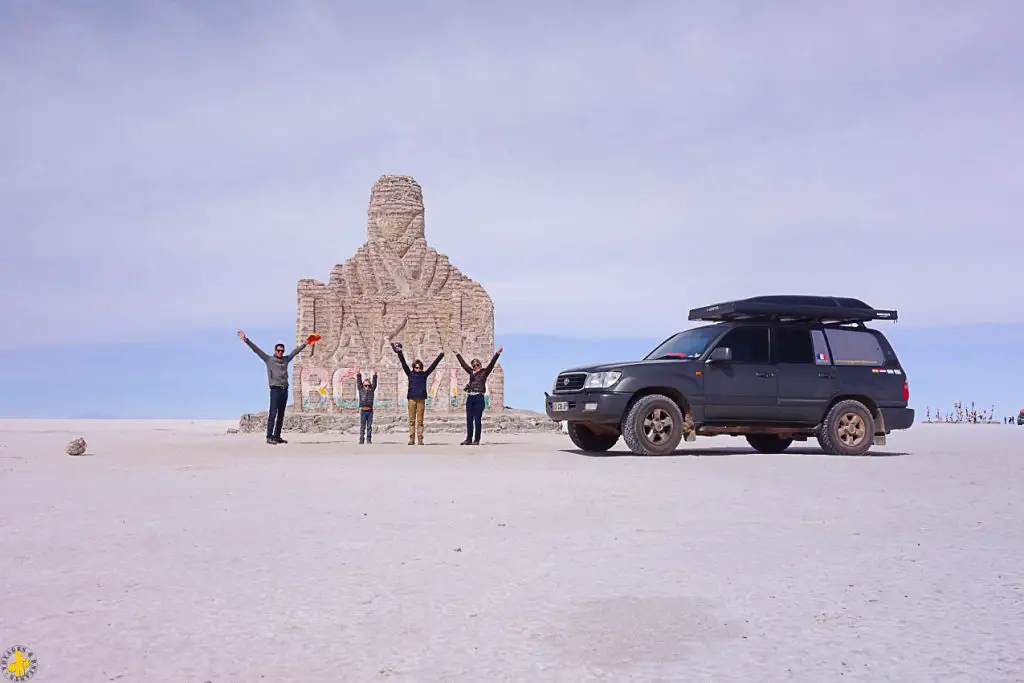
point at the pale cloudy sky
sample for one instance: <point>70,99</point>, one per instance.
<point>600,167</point>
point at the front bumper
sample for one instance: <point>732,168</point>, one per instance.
<point>588,406</point>
<point>897,418</point>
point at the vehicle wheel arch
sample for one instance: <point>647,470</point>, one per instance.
<point>868,403</point>
<point>674,394</point>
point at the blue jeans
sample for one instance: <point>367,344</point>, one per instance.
<point>474,416</point>
<point>275,418</point>
<point>365,424</point>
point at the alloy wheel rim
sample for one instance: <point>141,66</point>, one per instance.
<point>658,426</point>
<point>852,430</point>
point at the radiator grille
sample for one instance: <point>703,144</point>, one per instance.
<point>570,381</point>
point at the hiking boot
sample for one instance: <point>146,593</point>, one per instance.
<point>361,440</point>
<point>476,443</point>
<point>279,440</point>
<point>369,440</point>
<point>271,441</point>
<point>467,442</point>
<point>412,441</point>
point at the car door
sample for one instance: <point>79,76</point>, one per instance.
<point>744,388</point>
<point>806,379</point>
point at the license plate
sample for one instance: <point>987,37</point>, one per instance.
<point>559,406</point>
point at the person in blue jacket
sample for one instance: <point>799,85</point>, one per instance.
<point>417,394</point>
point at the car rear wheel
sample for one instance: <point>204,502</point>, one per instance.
<point>653,426</point>
<point>586,440</point>
<point>768,443</point>
<point>848,429</point>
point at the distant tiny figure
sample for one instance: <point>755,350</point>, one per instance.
<point>417,394</point>
<point>366,391</point>
<point>277,377</point>
<point>475,390</point>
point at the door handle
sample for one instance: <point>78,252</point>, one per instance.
<point>764,375</point>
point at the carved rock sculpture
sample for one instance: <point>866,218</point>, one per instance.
<point>395,288</point>
<point>76,447</point>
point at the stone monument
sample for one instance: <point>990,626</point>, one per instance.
<point>394,288</point>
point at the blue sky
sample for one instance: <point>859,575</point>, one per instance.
<point>169,170</point>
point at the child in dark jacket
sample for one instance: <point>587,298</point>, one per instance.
<point>475,390</point>
<point>417,394</point>
<point>366,391</point>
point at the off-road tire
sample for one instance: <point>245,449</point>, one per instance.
<point>768,443</point>
<point>848,429</point>
<point>638,435</point>
<point>586,440</point>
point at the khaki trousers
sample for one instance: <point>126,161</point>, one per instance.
<point>416,408</point>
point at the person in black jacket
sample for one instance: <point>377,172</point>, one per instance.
<point>417,394</point>
<point>475,390</point>
<point>366,391</point>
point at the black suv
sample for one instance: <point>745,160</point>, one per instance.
<point>775,369</point>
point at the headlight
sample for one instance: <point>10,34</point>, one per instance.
<point>601,380</point>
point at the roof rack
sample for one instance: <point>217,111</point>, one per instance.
<point>793,308</point>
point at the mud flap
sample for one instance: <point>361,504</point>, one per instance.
<point>879,439</point>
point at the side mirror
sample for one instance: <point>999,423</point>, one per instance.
<point>720,354</point>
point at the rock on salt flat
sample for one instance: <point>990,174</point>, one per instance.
<point>187,554</point>
<point>76,447</point>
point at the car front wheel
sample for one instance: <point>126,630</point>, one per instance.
<point>653,426</point>
<point>586,439</point>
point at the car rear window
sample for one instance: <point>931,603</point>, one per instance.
<point>855,347</point>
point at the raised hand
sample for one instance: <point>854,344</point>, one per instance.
<point>241,335</point>
<point>500,349</point>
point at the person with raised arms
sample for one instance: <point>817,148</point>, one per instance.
<point>417,394</point>
<point>475,390</point>
<point>277,378</point>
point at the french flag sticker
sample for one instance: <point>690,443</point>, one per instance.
<point>823,357</point>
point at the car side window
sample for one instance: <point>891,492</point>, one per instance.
<point>794,345</point>
<point>821,355</point>
<point>854,347</point>
<point>748,344</point>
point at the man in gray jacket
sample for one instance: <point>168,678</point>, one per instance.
<point>277,377</point>
<point>366,391</point>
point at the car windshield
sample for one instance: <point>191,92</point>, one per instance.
<point>687,344</point>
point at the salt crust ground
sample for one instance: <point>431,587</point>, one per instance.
<point>176,552</point>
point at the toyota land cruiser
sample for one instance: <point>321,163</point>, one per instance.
<point>775,369</point>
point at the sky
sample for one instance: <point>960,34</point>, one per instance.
<point>169,170</point>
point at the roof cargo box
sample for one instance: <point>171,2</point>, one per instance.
<point>793,308</point>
